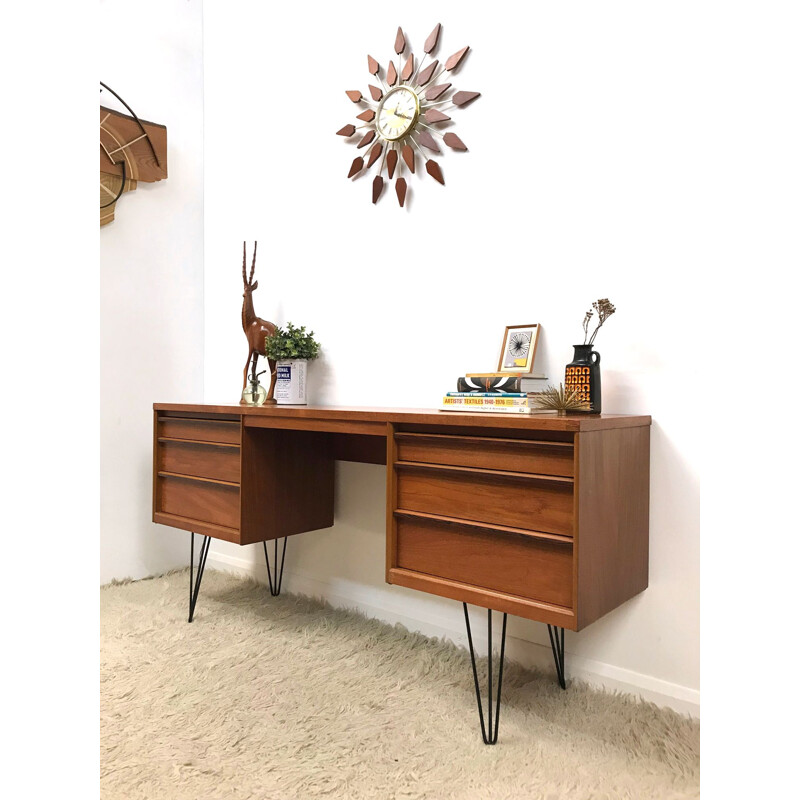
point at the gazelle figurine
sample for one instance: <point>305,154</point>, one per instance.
<point>255,329</point>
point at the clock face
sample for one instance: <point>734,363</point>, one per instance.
<point>397,113</point>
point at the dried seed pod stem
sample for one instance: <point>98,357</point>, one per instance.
<point>604,308</point>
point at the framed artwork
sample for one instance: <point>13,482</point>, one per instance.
<point>519,349</point>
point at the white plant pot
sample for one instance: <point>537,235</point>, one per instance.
<point>290,386</point>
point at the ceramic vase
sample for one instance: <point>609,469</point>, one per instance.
<point>583,375</point>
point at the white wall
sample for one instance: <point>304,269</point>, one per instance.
<point>577,186</point>
<point>151,276</point>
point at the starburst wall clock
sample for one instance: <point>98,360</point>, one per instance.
<point>405,115</point>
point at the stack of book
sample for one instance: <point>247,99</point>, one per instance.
<point>492,392</point>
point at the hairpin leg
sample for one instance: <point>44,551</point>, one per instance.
<point>558,652</point>
<point>275,586</point>
<point>491,738</point>
<point>194,586</point>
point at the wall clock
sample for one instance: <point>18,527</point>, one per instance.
<point>131,150</point>
<point>405,114</point>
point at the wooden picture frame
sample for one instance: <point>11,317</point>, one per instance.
<point>519,349</point>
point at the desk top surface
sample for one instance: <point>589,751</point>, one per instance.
<point>418,416</point>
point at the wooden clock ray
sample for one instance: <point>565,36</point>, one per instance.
<point>131,150</point>
<point>404,114</point>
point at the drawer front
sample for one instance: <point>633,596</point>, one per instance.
<point>202,430</point>
<point>521,565</point>
<point>512,455</point>
<point>217,461</point>
<point>216,503</point>
<point>516,502</point>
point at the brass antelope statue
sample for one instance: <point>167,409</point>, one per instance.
<point>255,329</point>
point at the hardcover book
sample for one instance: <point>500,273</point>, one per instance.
<point>491,402</point>
<point>488,383</point>
<point>489,409</point>
<point>486,401</point>
<point>486,394</point>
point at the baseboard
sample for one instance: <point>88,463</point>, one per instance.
<point>596,673</point>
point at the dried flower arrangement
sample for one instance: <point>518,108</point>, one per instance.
<point>560,400</point>
<point>604,309</point>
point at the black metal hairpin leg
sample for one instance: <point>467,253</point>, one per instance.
<point>558,652</point>
<point>491,738</point>
<point>275,586</point>
<point>194,586</point>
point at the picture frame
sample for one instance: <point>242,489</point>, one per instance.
<point>519,349</point>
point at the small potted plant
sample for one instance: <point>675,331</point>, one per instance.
<point>291,348</point>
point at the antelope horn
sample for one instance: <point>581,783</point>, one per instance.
<point>253,269</point>
<point>244,262</point>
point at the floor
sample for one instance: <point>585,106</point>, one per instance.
<point>288,698</point>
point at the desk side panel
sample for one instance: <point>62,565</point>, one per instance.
<point>287,483</point>
<point>612,540</point>
<point>358,447</point>
<point>391,502</point>
<point>156,495</point>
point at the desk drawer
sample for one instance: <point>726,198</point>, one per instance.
<point>538,569</point>
<point>517,501</point>
<point>198,499</point>
<point>216,461</point>
<point>200,430</point>
<point>512,455</point>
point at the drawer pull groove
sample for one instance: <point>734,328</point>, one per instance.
<point>523,476</point>
<point>482,526</point>
<point>438,437</point>
<point>499,601</point>
<point>215,420</point>
<point>213,481</point>
<point>204,442</point>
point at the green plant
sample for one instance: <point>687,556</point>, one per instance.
<point>291,342</point>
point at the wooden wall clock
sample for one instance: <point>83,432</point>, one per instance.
<point>131,150</point>
<point>405,114</point>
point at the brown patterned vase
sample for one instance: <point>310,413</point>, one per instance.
<point>583,375</point>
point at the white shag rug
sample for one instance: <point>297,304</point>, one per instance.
<point>284,698</point>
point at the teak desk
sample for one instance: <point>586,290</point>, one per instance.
<point>540,516</point>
